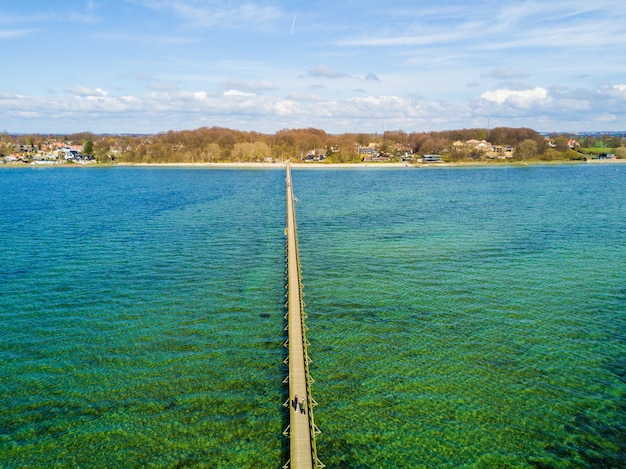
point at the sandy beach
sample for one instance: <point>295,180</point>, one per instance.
<point>321,166</point>
<point>300,165</point>
<point>281,165</point>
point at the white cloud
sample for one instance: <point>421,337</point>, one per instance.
<point>379,101</point>
<point>202,95</point>
<point>131,100</point>
<point>28,114</point>
<point>610,97</point>
<point>517,98</point>
<point>559,109</point>
<point>606,117</point>
<point>304,97</point>
<point>84,91</point>
<point>237,93</point>
<point>285,107</point>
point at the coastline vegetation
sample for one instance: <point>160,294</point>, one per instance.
<point>223,145</point>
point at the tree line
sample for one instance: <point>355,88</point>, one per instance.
<point>217,144</point>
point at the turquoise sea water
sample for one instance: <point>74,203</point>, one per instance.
<point>458,317</point>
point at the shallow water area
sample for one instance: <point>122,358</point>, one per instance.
<point>467,317</point>
<point>458,317</point>
<point>142,310</point>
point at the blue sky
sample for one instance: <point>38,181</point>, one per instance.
<point>343,66</point>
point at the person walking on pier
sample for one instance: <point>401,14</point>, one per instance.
<point>302,408</point>
<point>295,403</point>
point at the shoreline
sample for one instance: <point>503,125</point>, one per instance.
<point>253,165</point>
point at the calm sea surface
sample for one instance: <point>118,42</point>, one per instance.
<point>458,317</point>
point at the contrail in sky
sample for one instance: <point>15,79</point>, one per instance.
<point>293,25</point>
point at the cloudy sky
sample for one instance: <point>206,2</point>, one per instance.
<point>135,66</point>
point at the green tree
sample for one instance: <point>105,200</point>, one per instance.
<point>248,151</point>
<point>526,149</point>
<point>88,148</point>
<point>345,150</point>
<point>620,152</point>
<point>561,143</point>
<point>102,152</point>
<point>212,153</point>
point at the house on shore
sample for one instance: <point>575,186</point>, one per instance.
<point>432,159</point>
<point>368,152</point>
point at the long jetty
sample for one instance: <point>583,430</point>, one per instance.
<point>301,430</point>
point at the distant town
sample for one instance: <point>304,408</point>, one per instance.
<point>49,152</point>
<point>222,145</point>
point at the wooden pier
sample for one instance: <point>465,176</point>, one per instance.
<point>301,430</point>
